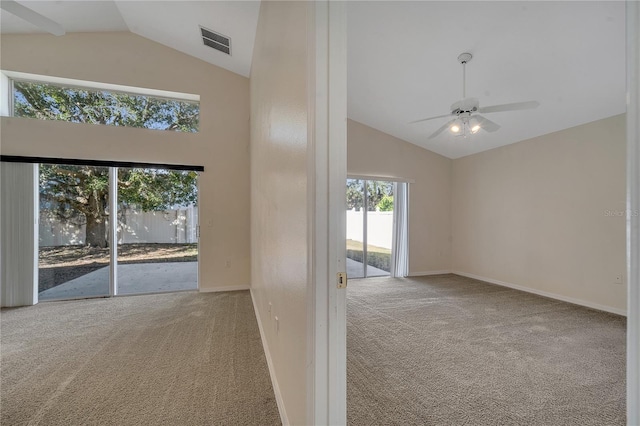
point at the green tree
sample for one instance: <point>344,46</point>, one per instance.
<point>80,194</point>
<point>376,190</point>
<point>51,102</point>
<point>386,204</point>
<point>355,197</point>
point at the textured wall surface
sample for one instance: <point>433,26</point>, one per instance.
<point>279,175</point>
<point>547,214</point>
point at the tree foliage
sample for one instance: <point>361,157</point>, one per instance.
<point>386,204</point>
<point>376,191</point>
<point>80,194</point>
<point>51,102</point>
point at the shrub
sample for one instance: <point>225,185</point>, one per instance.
<point>386,204</point>
<point>375,259</point>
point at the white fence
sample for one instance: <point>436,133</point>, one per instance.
<point>379,224</point>
<point>170,226</point>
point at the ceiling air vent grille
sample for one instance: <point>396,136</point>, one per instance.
<point>216,40</point>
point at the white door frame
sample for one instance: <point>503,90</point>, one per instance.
<point>327,86</point>
<point>633,211</point>
<point>113,231</point>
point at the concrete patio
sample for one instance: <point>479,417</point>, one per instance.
<point>132,279</point>
<point>141,278</point>
<point>354,270</point>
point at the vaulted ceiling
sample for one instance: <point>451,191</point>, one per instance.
<point>402,66</point>
<point>173,23</point>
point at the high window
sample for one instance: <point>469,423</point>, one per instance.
<point>47,101</point>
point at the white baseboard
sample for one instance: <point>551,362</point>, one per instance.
<point>580,302</point>
<point>422,274</point>
<point>272,372</point>
<point>227,288</point>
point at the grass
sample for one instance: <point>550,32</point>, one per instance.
<point>357,246</point>
<point>378,257</point>
<point>127,253</point>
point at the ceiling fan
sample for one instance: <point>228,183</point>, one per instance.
<point>32,17</point>
<point>466,118</point>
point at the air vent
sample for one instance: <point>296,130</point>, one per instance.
<point>216,40</point>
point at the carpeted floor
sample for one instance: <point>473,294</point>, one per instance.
<point>166,359</point>
<point>449,350</point>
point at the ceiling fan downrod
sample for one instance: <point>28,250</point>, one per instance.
<point>463,58</point>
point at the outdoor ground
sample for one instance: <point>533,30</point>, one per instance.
<point>357,245</point>
<point>60,264</point>
<point>378,257</point>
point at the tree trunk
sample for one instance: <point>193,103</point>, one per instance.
<point>96,235</point>
<point>96,232</point>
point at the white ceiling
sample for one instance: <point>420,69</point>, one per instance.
<point>402,66</point>
<point>172,23</point>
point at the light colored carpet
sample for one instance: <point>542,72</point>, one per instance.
<point>449,350</point>
<point>165,359</point>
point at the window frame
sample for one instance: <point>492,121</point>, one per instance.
<point>8,79</point>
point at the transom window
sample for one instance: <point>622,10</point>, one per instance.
<point>47,101</point>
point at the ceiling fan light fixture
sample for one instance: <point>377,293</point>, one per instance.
<point>466,112</point>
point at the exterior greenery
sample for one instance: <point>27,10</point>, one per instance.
<point>386,204</point>
<point>79,105</point>
<point>375,259</point>
<point>376,192</point>
<point>80,194</point>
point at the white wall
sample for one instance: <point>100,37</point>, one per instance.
<point>280,171</point>
<point>373,153</point>
<point>547,214</point>
<point>221,146</point>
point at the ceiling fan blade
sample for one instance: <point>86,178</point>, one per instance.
<point>32,17</point>
<point>487,124</point>
<point>430,118</point>
<point>442,129</point>
<point>510,107</point>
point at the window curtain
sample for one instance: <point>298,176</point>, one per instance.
<point>19,236</point>
<point>400,251</point>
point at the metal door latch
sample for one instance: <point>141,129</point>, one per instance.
<point>342,280</point>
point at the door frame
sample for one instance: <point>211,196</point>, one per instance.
<point>112,237</point>
<point>633,210</point>
<point>327,135</point>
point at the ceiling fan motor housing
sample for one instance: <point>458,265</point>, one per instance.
<point>467,105</point>
<point>463,58</point>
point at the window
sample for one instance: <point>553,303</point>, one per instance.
<point>46,101</point>
<point>106,231</point>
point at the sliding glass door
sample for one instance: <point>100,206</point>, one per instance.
<point>379,228</point>
<point>73,255</point>
<point>157,224</point>
<point>150,246</point>
<point>370,220</point>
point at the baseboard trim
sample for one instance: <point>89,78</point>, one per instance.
<point>422,274</point>
<point>227,288</point>
<point>272,372</point>
<point>555,296</point>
